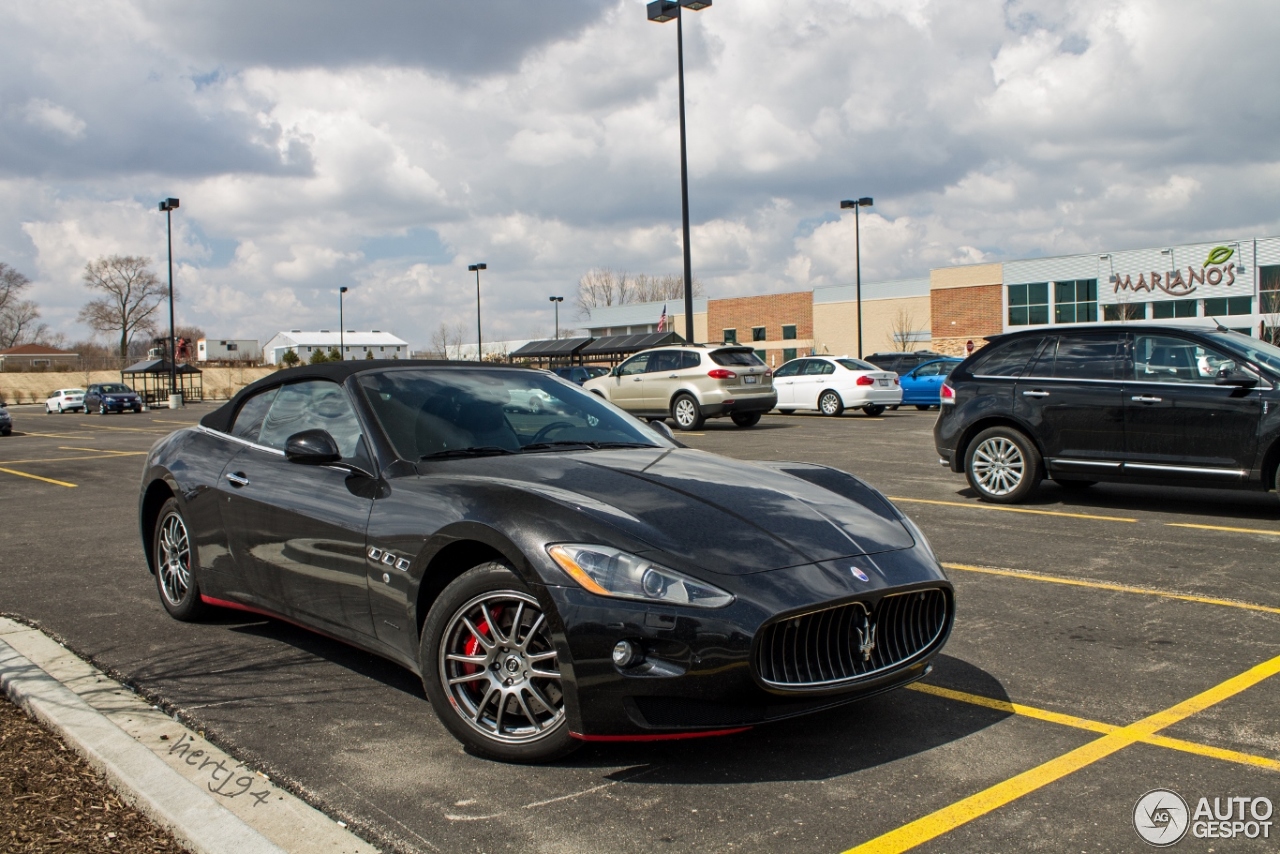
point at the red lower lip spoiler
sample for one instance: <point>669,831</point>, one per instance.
<point>663,736</point>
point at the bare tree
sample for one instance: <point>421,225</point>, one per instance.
<point>604,287</point>
<point>17,316</point>
<point>446,340</point>
<point>904,329</point>
<point>132,293</point>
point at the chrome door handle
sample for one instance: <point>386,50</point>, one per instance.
<point>1035,394</point>
<point>237,479</point>
<point>674,377</point>
<point>1143,398</point>
<point>636,380</point>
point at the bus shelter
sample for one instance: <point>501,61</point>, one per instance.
<point>150,379</point>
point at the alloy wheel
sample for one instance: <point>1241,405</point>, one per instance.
<point>686,412</point>
<point>499,669</point>
<point>998,465</point>
<point>174,559</point>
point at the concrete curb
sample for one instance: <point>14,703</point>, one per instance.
<point>139,775</point>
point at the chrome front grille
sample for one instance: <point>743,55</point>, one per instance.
<point>847,643</point>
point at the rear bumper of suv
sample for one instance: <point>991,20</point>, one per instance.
<point>755,403</point>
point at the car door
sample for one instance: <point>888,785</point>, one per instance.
<point>814,377</point>
<point>661,379</point>
<point>298,531</point>
<point>627,388</point>
<point>784,381</point>
<point>92,397</point>
<point>1072,398</point>
<point>1179,423</point>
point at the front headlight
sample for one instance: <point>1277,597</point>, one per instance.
<point>608,571</point>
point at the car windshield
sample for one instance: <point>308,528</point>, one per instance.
<point>428,412</point>
<point>1251,348</point>
<point>856,365</point>
<point>115,388</point>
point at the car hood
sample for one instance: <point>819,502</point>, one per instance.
<point>723,515</point>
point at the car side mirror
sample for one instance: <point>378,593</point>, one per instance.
<point>661,428</point>
<point>1237,378</point>
<point>312,448</point>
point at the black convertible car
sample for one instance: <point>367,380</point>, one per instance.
<point>556,576</point>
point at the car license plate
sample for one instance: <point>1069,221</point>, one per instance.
<point>750,380</point>
<point>884,383</point>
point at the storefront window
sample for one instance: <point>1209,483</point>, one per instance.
<point>1174,308</point>
<point>1224,306</point>
<point>788,353</point>
<point>760,356</point>
<point>1028,304</point>
<point>1075,301</point>
<point>731,336</point>
<point>789,334</point>
<point>1125,311</point>
<point>757,333</point>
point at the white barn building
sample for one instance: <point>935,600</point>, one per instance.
<point>355,345</point>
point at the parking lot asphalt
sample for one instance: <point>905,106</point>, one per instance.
<point>1107,643</point>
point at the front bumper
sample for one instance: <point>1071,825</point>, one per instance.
<point>122,405</point>
<point>698,672</point>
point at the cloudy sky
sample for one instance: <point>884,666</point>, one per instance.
<point>386,145</point>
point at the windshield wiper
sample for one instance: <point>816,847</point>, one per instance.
<point>588,446</point>
<point>454,453</point>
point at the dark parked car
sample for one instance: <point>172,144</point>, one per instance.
<point>111,397</point>
<point>1135,404</point>
<point>6,420</point>
<point>580,373</point>
<point>900,363</point>
<point>554,577</point>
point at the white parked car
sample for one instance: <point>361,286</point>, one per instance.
<point>833,384</point>
<point>65,400</point>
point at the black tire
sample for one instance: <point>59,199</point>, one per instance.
<point>47,410</point>
<point>894,408</point>
<point>746,419</point>
<point>686,412</point>
<point>102,409</point>
<point>176,569</point>
<point>923,407</point>
<point>873,409</point>
<point>529,722</point>
<point>1075,485</point>
<point>829,403</point>
<point>786,411</point>
<point>1002,465</point>
<point>6,432</point>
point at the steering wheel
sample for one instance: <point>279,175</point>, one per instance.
<point>541,435</point>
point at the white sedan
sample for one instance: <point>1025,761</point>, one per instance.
<point>65,400</point>
<point>831,385</point>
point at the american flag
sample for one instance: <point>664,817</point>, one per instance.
<point>662,321</point>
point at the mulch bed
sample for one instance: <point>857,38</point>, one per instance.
<point>52,801</point>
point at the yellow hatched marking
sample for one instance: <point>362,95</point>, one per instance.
<point>1012,509</point>
<point>977,805</point>
<point>109,456</point>
<point>1115,588</point>
<point>38,477</point>
<point>1221,528</point>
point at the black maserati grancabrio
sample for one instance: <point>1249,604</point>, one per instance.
<point>557,576</point>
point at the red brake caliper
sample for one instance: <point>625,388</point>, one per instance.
<point>473,643</point>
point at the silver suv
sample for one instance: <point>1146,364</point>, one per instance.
<point>691,383</point>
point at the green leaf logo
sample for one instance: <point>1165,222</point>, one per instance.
<point>1219,255</point>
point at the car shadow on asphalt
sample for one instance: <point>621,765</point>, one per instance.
<point>1182,501</point>
<point>820,746</point>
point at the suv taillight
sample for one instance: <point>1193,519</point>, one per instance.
<point>948,395</point>
<point>865,380</point>
<point>721,374</point>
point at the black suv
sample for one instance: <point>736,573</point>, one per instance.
<point>902,363</point>
<point>1138,404</point>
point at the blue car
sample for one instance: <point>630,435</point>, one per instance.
<point>923,385</point>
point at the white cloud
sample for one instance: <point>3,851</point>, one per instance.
<point>49,116</point>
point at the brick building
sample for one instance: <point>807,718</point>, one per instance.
<point>778,326</point>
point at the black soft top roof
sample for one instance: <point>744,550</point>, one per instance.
<point>220,419</point>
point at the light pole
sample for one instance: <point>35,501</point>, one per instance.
<point>556,302</point>
<point>864,202</point>
<point>476,268</point>
<point>175,399</point>
<point>342,326</point>
<point>661,11</point>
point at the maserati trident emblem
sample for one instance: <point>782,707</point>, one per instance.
<point>867,640</point>
<point>859,574</point>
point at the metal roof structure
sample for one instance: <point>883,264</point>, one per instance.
<point>551,348</point>
<point>620,345</point>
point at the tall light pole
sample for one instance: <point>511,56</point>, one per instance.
<point>864,202</point>
<point>476,268</point>
<point>169,206</point>
<point>342,326</point>
<point>556,302</point>
<point>661,11</point>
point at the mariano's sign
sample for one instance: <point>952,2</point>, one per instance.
<point>1216,271</point>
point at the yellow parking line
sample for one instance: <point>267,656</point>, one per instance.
<point>52,435</point>
<point>1012,509</point>
<point>1221,528</point>
<point>165,421</point>
<point>97,450</point>
<point>1097,726</point>
<point>977,805</point>
<point>38,477</point>
<point>109,456</point>
<point>131,429</point>
<point>1115,588</point>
